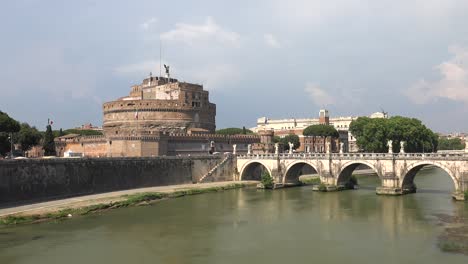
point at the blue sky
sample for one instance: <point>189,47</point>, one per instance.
<point>63,59</point>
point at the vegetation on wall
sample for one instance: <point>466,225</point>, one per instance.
<point>321,131</point>
<point>372,134</point>
<point>82,132</point>
<point>267,180</point>
<point>234,131</point>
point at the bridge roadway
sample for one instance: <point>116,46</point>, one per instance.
<point>396,171</point>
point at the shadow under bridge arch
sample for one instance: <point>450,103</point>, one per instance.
<point>297,170</point>
<point>365,168</point>
<point>408,185</point>
<point>253,171</point>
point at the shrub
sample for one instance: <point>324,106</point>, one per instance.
<point>267,180</point>
<point>322,187</point>
<point>313,181</point>
<point>234,131</point>
<point>449,246</point>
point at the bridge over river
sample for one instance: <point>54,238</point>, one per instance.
<point>396,171</point>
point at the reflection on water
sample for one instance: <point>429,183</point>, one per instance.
<point>253,226</point>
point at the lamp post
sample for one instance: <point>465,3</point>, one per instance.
<point>11,145</point>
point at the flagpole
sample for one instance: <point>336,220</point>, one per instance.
<point>160,57</point>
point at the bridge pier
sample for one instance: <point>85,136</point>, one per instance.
<point>461,194</point>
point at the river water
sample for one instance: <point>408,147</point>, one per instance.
<point>294,225</point>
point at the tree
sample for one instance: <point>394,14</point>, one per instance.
<point>4,144</point>
<point>451,144</point>
<point>321,131</point>
<point>234,131</point>
<point>372,134</point>
<point>28,137</point>
<point>290,138</point>
<point>49,144</point>
<point>7,125</point>
<point>267,180</point>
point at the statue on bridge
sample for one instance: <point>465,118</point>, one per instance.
<point>341,147</point>
<point>234,149</point>
<point>276,149</point>
<point>291,145</point>
<point>390,146</point>
<point>249,149</point>
<point>402,147</point>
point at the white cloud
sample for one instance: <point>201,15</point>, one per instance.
<point>138,68</point>
<point>148,23</point>
<point>212,76</point>
<point>453,84</point>
<point>215,76</point>
<point>318,95</point>
<point>271,41</point>
<point>305,13</point>
<point>45,68</point>
<point>210,30</point>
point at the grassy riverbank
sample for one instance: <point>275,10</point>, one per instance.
<point>137,199</point>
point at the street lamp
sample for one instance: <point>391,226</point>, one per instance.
<point>11,145</point>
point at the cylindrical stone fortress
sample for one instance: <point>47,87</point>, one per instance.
<point>158,104</point>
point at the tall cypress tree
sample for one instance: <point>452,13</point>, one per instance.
<point>49,144</point>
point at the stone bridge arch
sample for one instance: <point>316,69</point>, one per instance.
<point>298,168</point>
<point>348,168</point>
<point>407,181</point>
<point>253,171</point>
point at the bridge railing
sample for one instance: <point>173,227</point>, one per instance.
<point>357,156</point>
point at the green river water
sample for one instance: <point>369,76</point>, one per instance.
<point>294,225</point>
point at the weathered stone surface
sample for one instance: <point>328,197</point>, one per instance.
<point>396,171</point>
<point>33,180</point>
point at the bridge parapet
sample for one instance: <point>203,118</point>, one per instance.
<point>361,156</point>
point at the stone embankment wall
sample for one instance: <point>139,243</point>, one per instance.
<point>23,181</point>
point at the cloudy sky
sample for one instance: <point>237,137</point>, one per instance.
<point>63,59</point>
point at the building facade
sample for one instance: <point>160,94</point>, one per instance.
<point>296,126</point>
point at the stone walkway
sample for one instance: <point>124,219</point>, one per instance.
<point>81,201</point>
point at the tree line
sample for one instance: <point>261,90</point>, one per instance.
<point>373,134</point>
<point>28,136</point>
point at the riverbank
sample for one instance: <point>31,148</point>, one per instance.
<point>83,205</point>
